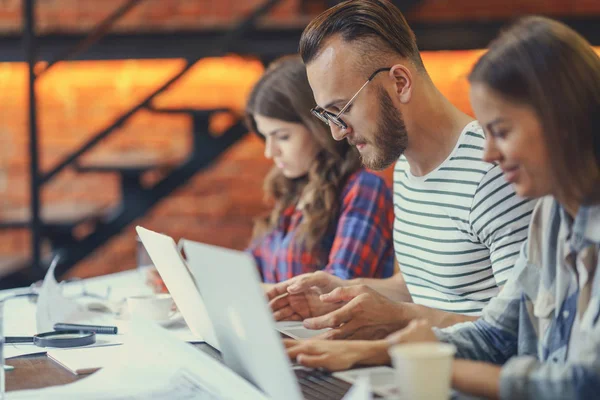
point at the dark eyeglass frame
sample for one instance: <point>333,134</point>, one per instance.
<point>328,117</point>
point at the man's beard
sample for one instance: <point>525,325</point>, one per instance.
<point>390,139</point>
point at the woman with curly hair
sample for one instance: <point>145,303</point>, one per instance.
<point>329,213</point>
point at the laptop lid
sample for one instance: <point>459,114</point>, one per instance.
<point>168,261</point>
<point>236,303</point>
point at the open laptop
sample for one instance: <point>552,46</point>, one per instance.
<point>170,265</point>
<point>230,287</point>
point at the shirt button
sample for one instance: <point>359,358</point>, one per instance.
<point>565,314</point>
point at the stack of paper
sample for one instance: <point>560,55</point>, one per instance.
<point>153,365</point>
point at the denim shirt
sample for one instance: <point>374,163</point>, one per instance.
<point>543,327</point>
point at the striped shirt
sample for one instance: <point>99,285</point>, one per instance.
<point>358,245</point>
<point>458,229</point>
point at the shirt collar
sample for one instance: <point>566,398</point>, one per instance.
<point>585,229</point>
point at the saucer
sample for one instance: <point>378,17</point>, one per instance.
<point>172,319</point>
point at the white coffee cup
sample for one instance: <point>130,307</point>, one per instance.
<point>423,370</point>
<point>158,307</point>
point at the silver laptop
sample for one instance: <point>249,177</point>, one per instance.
<point>168,261</point>
<point>230,286</point>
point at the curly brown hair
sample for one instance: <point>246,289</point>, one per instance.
<point>283,93</point>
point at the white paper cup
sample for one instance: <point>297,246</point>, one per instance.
<point>423,370</point>
<point>155,307</point>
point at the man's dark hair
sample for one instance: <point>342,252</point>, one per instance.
<point>377,27</point>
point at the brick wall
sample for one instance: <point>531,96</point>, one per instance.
<point>217,206</point>
<point>150,15</point>
<point>77,98</point>
<point>165,15</point>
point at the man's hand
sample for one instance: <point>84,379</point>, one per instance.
<point>367,315</point>
<point>322,281</point>
<point>304,302</point>
<point>338,355</point>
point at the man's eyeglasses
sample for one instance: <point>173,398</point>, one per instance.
<point>328,117</point>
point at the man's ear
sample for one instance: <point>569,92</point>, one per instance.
<point>403,82</point>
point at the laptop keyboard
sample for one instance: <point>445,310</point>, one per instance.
<point>315,384</point>
<point>319,385</point>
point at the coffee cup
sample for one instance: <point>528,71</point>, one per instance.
<point>423,370</point>
<point>158,307</point>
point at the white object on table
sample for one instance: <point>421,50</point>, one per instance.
<point>423,370</point>
<point>20,313</point>
<point>155,365</point>
<point>52,306</point>
<point>382,379</point>
<point>361,390</point>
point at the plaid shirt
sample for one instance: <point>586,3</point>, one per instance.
<point>360,245</point>
<point>544,326</point>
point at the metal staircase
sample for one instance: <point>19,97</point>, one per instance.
<point>57,225</point>
<point>55,228</point>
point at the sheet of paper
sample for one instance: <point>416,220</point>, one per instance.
<point>12,350</point>
<point>296,330</point>
<point>86,360</point>
<point>382,379</point>
<point>52,305</point>
<point>155,365</point>
<point>181,385</point>
<point>361,390</point>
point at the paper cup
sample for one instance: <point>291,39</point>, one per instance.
<point>423,370</point>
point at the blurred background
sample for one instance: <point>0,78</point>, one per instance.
<point>135,108</point>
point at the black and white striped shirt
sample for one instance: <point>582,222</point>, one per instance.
<point>459,229</point>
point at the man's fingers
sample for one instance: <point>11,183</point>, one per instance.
<point>277,290</point>
<point>303,347</point>
<point>301,284</point>
<point>345,332</point>
<point>290,343</point>
<point>315,361</point>
<point>280,302</point>
<point>295,317</point>
<point>343,294</point>
<point>283,314</point>
<point>332,320</point>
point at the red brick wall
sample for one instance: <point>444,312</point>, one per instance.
<point>166,15</point>
<point>448,10</point>
<point>217,206</point>
<point>76,99</point>
<point>150,15</point>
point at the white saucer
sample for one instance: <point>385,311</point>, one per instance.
<point>174,318</point>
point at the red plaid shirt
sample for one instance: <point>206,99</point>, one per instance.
<point>360,244</point>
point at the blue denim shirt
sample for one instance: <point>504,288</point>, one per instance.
<point>543,327</point>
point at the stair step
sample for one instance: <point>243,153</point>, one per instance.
<point>60,214</point>
<point>189,111</point>
<point>128,162</point>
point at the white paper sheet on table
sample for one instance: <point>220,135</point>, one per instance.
<point>52,305</point>
<point>21,315</point>
<point>382,379</point>
<point>156,365</point>
<point>361,390</point>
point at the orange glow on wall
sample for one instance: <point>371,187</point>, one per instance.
<point>76,99</point>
